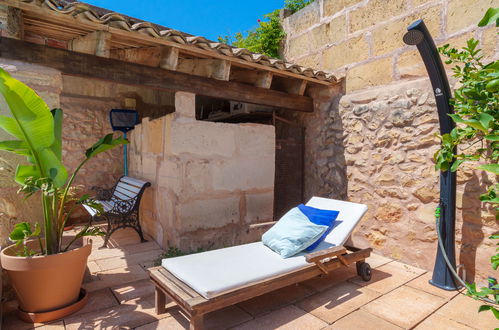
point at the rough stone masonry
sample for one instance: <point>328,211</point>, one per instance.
<point>374,142</point>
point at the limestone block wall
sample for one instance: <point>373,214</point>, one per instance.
<point>209,180</point>
<point>86,104</point>
<point>374,142</point>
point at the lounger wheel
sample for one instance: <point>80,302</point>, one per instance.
<point>364,271</point>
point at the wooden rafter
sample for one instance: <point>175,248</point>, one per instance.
<point>95,43</point>
<point>91,66</point>
<point>70,24</point>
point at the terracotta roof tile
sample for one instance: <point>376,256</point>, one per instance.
<point>102,16</point>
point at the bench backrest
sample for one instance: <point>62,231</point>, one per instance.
<point>129,190</point>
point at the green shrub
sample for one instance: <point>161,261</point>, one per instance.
<point>476,114</point>
<point>266,38</point>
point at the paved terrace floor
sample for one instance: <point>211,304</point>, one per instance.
<point>397,297</point>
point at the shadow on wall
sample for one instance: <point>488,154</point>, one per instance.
<point>325,164</point>
<point>337,167</point>
<point>472,226</point>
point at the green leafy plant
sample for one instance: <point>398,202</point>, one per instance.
<point>266,38</point>
<point>295,5</point>
<point>38,136</point>
<point>476,114</point>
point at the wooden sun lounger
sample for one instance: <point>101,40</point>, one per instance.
<point>196,306</point>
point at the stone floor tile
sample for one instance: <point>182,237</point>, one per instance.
<point>103,253</point>
<point>275,299</point>
<point>125,292</point>
<point>226,318</point>
<point>147,265</point>
<point>389,276</point>
<point>337,276</point>
<point>219,320</point>
<point>376,260</point>
<point>141,247</point>
<point>464,309</point>
<point>116,277</point>
<point>175,322</point>
<point>122,251</point>
<point>338,301</point>
<point>421,283</point>
<point>99,299</point>
<point>404,306</point>
<point>93,267</point>
<point>133,313</point>
<point>289,317</point>
<point>125,237</point>
<point>436,321</point>
<point>362,320</point>
<point>127,260</point>
<point>52,326</point>
<point>12,322</point>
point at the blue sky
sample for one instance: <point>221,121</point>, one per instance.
<point>208,18</point>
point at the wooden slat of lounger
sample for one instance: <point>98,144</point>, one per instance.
<point>182,294</point>
<point>202,305</point>
<point>331,252</point>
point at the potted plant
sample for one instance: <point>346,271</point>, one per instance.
<point>46,271</point>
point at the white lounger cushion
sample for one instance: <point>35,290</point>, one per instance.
<point>217,272</point>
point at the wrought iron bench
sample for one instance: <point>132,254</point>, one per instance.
<point>120,206</point>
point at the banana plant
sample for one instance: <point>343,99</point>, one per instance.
<point>37,135</point>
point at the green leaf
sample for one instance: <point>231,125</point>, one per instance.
<point>485,119</point>
<point>57,145</point>
<point>491,16</point>
<point>494,168</point>
<point>494,260</point>
<point>456,164</point>
<point>23,231</point>
<point>104,144</point>
<point>32,123</point>
<point>18,147</point>
<point>24,172</point>
<point>492,137</point>
<point>9,125</point>
<point>56,170</point>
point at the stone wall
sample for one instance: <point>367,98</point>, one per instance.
<point>86,104</point>
<point>209,180</point>
<point>374,143</point>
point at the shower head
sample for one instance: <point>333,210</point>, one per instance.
<point>415,33</point>
<point>413,37</point>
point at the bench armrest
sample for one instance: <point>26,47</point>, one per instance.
<point>315,257</point>
<point>123,206</point>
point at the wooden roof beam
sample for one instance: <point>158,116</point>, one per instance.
<point>261,79</point>
<point>70,20</point>
<point>163,57</point>
<point>95,43</point>
<point>210,68</point>
<point>91,66</point>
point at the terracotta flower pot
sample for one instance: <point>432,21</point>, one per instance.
<point>46,283</point>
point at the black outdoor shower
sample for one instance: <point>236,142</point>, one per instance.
<point>444,273</point>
